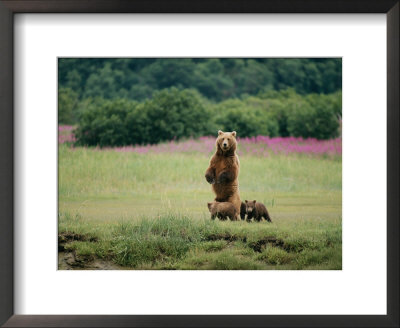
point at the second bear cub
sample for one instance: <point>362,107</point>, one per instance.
<point>257,211</point>
<point>222,210</point>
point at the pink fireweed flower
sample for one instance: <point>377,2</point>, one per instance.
<point>260,146</point>
<point>62,128</point>
<point>66,138</point>
<point>65,134</point>
<point>254,146</point>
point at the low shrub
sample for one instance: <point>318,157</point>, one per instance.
<point>173,114</point>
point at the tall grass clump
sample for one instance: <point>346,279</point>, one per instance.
<point>178,242</point>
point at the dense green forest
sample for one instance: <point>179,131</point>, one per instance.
<point>137,101</point>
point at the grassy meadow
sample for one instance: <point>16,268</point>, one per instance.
<point>135,210</point>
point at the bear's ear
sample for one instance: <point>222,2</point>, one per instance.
<point>220,132</point>
<point>254,201</point>
<point>246,201</point>
<point>234,133</point>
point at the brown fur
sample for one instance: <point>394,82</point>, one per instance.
<point>257,211</point>
<point>222,210</point>
<point>242,211</point>
<point>223,170</point>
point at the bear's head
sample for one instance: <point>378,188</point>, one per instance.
<point>226,141</point>
<point>250,206</point>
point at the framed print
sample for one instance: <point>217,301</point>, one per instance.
<point>122,128</point>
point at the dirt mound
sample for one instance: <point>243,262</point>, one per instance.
<point>67,237</point>
<point>71,236</point>
<point>272,241</point>
<point>70,261</point>
<point>224,236</point>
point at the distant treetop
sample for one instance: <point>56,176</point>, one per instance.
<point>215,79</point>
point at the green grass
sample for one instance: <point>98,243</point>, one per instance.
<point>149,211</point>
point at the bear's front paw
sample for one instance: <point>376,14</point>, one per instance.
<point>223,177</point>
<point>210,178</point>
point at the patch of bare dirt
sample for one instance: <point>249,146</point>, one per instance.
<point>67,237</point>
<point>71,261</point>
<point>272,241</point>
<point>224,236</point>
<point>68,259</point>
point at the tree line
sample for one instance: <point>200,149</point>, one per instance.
<point>216,79</point>
<point>176,114</point>
<point>138,101</point>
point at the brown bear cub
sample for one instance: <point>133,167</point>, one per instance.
<point>223,171</point>
<point>222,210</point>
<point>257,211</point>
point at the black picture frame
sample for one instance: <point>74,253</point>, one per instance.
<point>10,7</point>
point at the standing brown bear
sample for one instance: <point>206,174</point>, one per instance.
<point>223,170</point>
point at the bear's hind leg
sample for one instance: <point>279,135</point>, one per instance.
<point>267,217</point>
<point>242,211</point>
<point>222,216</point>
